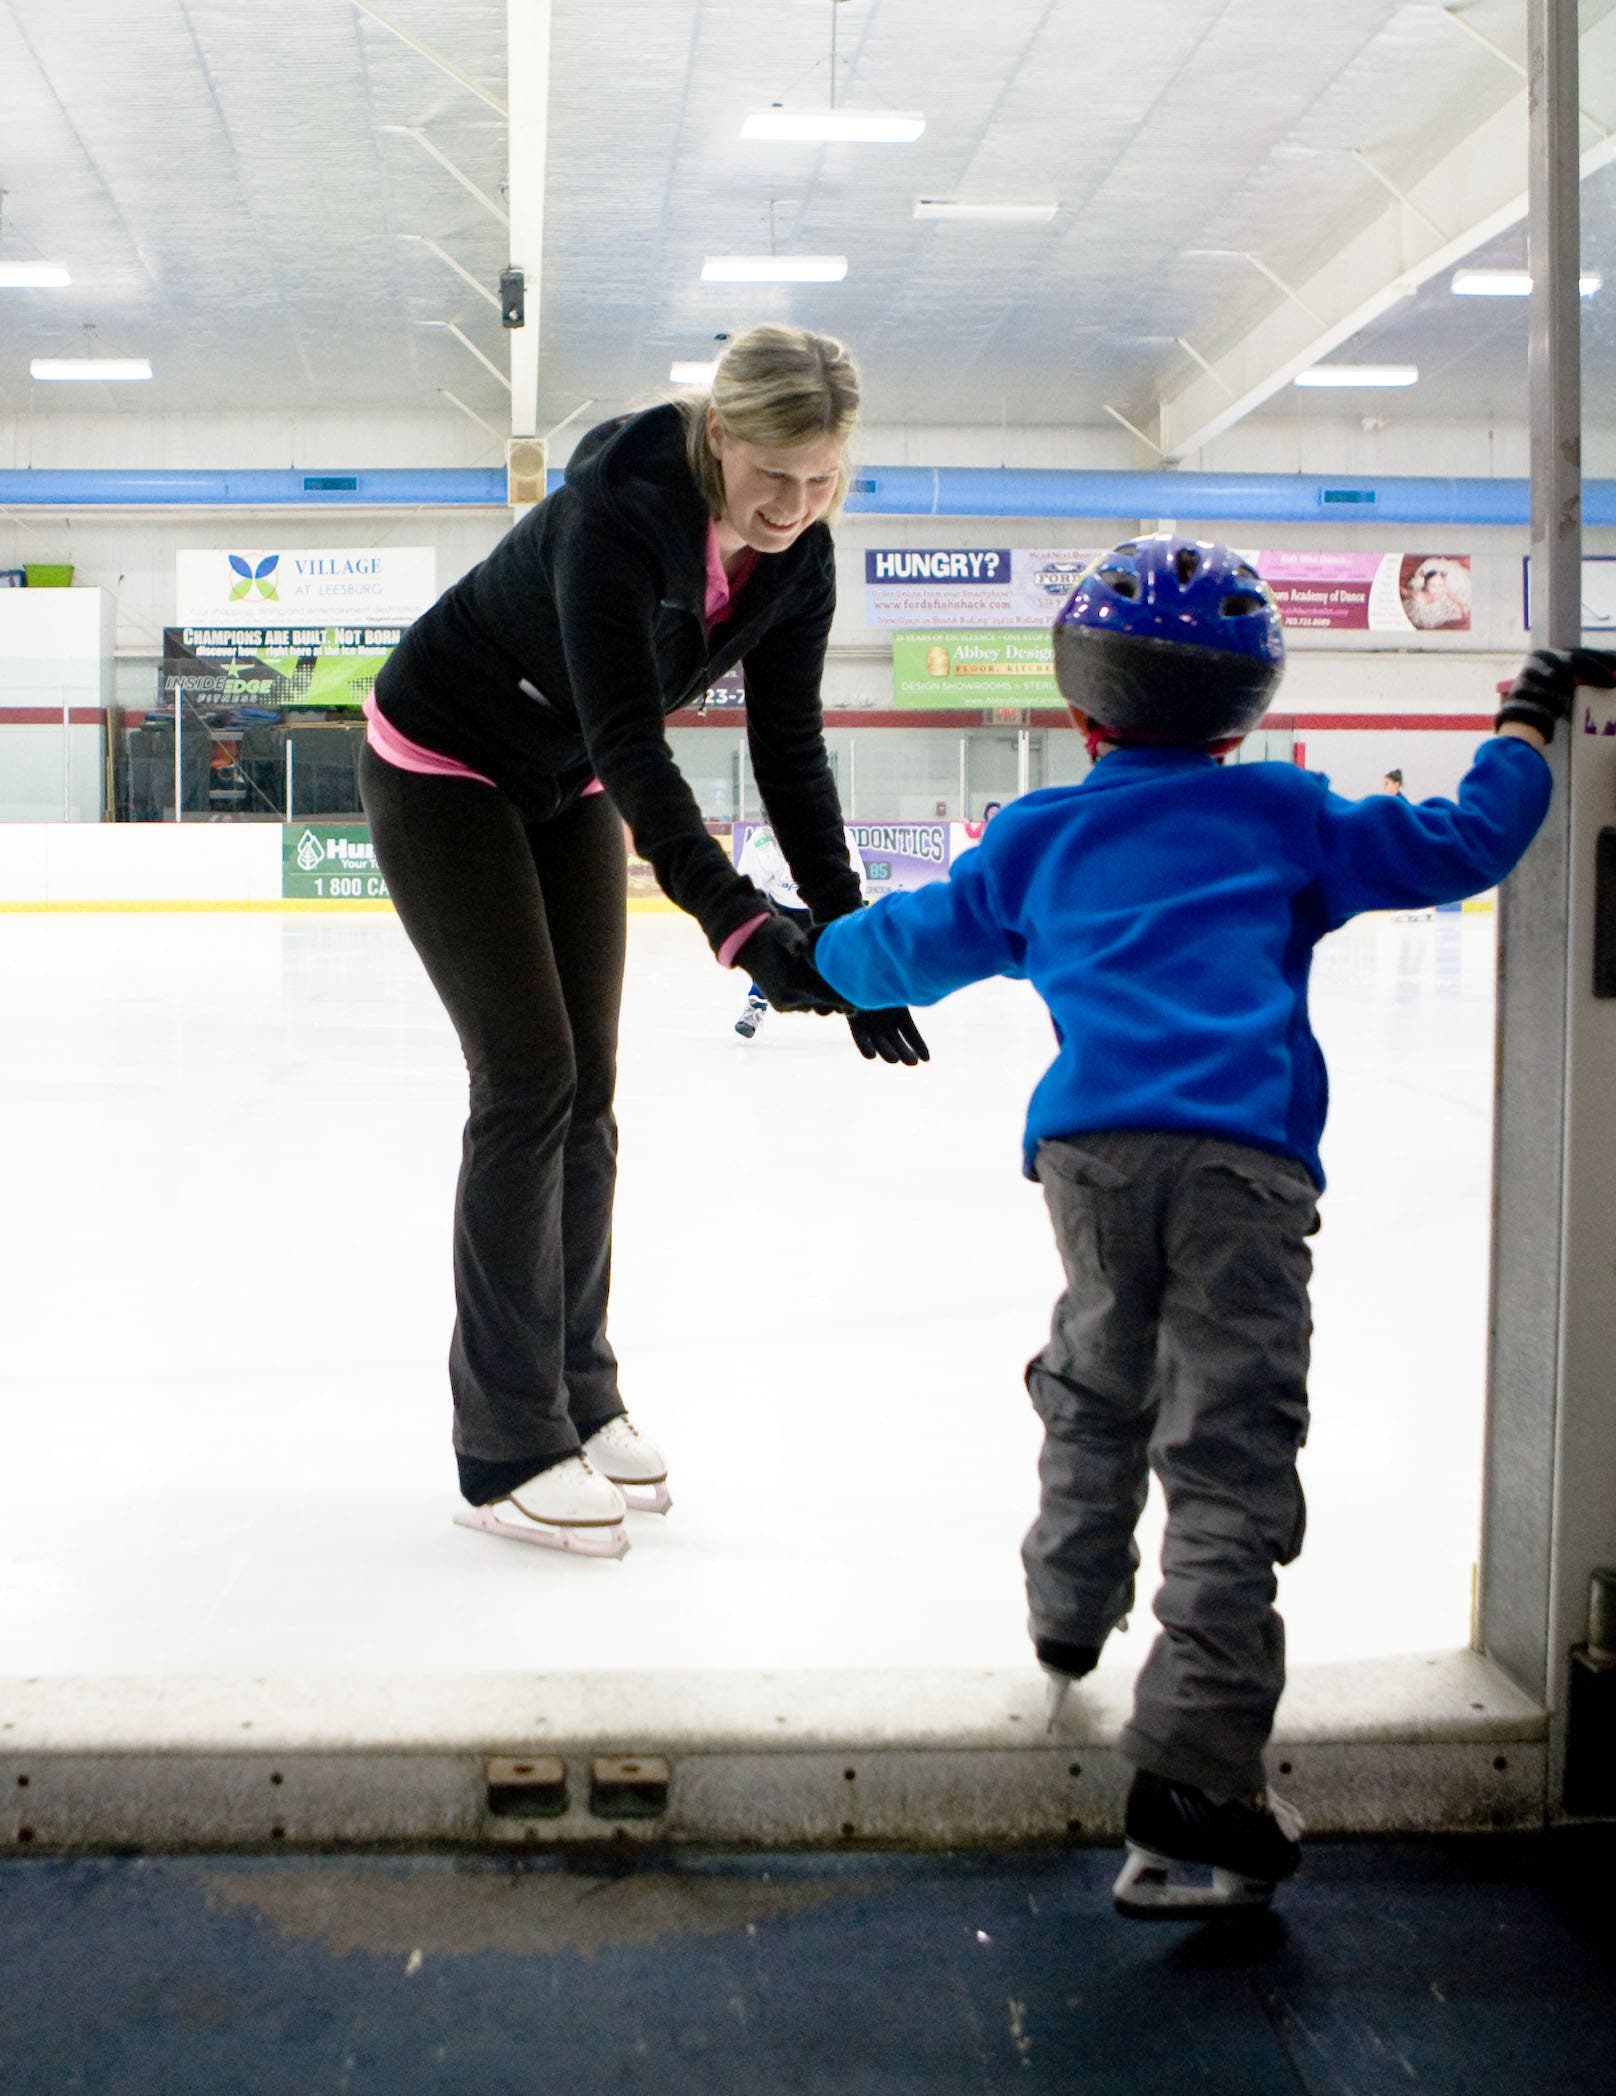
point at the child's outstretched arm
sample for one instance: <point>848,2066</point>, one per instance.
<point>1384,853</point>
<point>916,948</point>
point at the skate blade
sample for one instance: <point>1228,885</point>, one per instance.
<point>1146,1890</point>
<point>644,1498</point>
<point>607,1540</point>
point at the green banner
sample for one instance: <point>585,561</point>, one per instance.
<point>974,666</point>
<point>330,862</point>
<point>216,668</point>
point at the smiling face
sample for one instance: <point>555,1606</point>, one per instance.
<point>772,493</point>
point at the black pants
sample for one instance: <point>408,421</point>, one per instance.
<point>522,928</point>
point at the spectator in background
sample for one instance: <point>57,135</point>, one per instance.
<point>1392,783</point>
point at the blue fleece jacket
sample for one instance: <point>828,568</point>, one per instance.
<point>1166,911</point>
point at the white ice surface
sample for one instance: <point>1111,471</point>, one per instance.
<point>230,1146</point>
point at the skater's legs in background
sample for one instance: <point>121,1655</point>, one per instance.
<point>1235,1330</point>
<point>460,868</point>
<point>1091,1385</point>
<point>756,1008</point>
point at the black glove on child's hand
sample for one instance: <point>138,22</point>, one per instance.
<point>779,960</point>
<point>1543,693</point>
<point>891,1034</point>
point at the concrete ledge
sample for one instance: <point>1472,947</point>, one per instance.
<point>1426,1744</point>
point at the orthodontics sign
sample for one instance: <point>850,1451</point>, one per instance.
<point>305,586</point>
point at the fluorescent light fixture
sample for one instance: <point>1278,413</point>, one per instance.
<point>774,269</point>
<point>1509,283</point>
<point>1358,375</point>
<point>836,127</point>
<point>1001,214</point>
<point>90,368</point>
<point>33,276</point>
<point>692,374</point>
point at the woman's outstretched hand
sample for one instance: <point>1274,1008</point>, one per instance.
<point>779,960</point>
<point>891,1034</point>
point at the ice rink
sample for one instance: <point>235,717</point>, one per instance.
<point>231,1143</point>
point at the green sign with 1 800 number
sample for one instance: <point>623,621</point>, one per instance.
<point>330,862</point>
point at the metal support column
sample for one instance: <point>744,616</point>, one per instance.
<point>527,44</point>
<point>1549,1511</point>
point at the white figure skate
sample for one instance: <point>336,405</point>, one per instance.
<point>569,1507</point>
<point>637,1467</point>
<point>752,1018</point>
<point>1190,1858</point>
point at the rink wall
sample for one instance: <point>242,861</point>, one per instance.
<point>323,865</point>
<point>1424,1743</point>
<point>140,865</point>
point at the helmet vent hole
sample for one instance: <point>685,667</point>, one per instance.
<point>1239,602</point>
<point>1247,572</point>
<point>1188,563</point>
<point>1122,580</point>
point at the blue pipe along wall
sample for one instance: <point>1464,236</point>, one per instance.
<point>886,491</point>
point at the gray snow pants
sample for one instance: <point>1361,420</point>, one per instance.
<point>1180,1345</point>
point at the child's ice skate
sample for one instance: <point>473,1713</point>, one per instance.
<point>637,1467</point>
<point>567,1507</point>
<point>752,1018</point>
<point>1190,1858</point>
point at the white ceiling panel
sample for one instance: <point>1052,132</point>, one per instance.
<point>233,187</point>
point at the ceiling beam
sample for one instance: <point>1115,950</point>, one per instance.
<point>1475,192</point>
<point>432,57</point>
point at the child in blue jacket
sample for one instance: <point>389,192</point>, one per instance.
<point>1166,911</point>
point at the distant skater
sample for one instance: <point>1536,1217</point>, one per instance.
<point>1166,910</point>
<point>515,729</point>
<point>763,862</point>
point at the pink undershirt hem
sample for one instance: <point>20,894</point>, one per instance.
<point>399,750</point>
<point>738,938</point>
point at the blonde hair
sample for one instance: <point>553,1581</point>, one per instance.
<point>775,386</point>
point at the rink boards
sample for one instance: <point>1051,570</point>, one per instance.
<point>1418,1744</point>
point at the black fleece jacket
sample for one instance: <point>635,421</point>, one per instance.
<point>556,658</point>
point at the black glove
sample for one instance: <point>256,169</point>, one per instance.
<point>1543,693</point>
<point>777,957</point>
<point>891,1034</point>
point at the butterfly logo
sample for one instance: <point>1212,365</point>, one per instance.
<point>254,578</point>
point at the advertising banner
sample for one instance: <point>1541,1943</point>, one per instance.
<point>218,668</point>
<point>305,586</point>
<point>1027,585</point>
<point>1370,592</point>
<point>330,862</point>
<point>895,854</point>
<point>974,667</point>
<point>905,586</point>
<point>901,854</point>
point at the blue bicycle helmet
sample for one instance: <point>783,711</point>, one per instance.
<point>1170,640</point>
